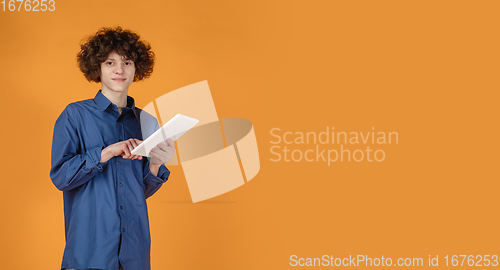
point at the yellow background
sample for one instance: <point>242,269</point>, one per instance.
<point>428,70</point>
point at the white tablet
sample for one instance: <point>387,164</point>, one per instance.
<point>173,129</point>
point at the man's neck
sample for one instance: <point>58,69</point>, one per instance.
<point>117,98</point>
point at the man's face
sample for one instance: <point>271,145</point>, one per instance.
<point>117,73</point>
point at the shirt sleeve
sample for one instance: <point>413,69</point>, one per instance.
<point>151,182</point>
<point>70,168</point>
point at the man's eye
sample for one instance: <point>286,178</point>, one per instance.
<point>109,63</point>
<point>128,63</point>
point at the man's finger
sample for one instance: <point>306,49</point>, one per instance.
<point>130,148</point>
<point>162,146</point>
<point>134,143</point>
<point>170,146</point>
<point>171,143</point>
<point>154,153</point>
<point>125,150</point>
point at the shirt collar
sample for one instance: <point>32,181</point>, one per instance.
<point>103,103</point>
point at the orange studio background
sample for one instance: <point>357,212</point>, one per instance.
<point>428,70</point>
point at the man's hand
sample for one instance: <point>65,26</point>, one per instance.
<point>160,156</point>
<point>123,148</point>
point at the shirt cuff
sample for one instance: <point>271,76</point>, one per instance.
<point>92,159</point>
<point>151,179</point>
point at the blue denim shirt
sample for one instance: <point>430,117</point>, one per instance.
<point>105,211</point>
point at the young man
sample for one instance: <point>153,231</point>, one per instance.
<point>104,186</point>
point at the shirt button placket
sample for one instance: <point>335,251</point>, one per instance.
<point>121,174</point>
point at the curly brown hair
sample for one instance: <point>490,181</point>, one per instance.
<point>96,49</point>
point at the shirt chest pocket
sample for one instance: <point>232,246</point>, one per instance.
<point>133,131</point>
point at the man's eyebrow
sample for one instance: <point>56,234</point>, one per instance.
<point>123,59</point>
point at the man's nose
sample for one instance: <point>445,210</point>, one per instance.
<point>118,69</point>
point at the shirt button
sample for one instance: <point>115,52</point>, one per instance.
<point>121,207</point>
<point>123,230</point>
<point>119,162</point>
<point>121,184</point>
